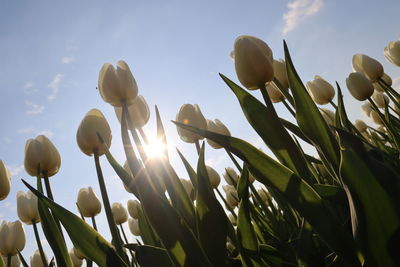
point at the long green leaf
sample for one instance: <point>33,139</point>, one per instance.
<point>149,256</point>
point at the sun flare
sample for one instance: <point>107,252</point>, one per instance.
<point>155,148</point>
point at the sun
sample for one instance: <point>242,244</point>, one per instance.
<point>155,148</point>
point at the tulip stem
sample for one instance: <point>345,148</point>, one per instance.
<point>233,159</point>
<point>39,244</point>
<point>94,223</point>
<point>9,260</point>
<point>289,108</point>
<point>80,211</point>
<point>144,136</point>
<point>107,207</point>
<point>197,146</point>
<point>333,104</point>
<point>48,188</point>
<point>126,240</point>
<point>226,203</point>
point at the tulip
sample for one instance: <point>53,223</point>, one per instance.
<point>41,152</point>
<point>280,72</point>
<point>27,207</point>
<point>360,125</point>
<point>5,181</point>
<point>188,188</point>
<point>134,226</point>
<point>375,117</point>
<point>328,115</point>
<point>117,85</point>
<point>213,176</point>
<point>190,115</point>
<point>274,93</point>
<point>253,62</point>
<point>320,90</point>
<point>232,219</point>
<point>263,195</point>
<point>232,198</point>
<point>15,261</point>
<point>368,66</point>
<point>228,188</point>
<point>230,176</point>
<point>380,99</point>
<point>36,260</point>
<point>94,122</point>
<point>139,112</point>
<point>386,78</point>
<point>392,52</point>
<point>12,236</point>
<point>251,178</point>
<point>366,108</point>
<point>119,213</point>
<point>216,126</point>
<point>134,207</point>
<point>77,253</point>
<point>75,260</point>
<point>88,202</point>
<point>359,86</point>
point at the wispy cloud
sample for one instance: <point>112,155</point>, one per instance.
<point>29,88</point>
<point>55,86</point>
<point>67,60</point>
<point>15,169</point>
<point>298,10</point>
<point>34,108</point>
<point>48,133</point>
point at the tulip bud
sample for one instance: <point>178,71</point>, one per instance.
<point>366,108</point>
<point>12,236</point>
<point>190,115</point>
<point>27,207</point>
<point>230,176</point>
<point>88,202</point>
<point>213,176</point>
<point>280,72</point>
<point>133,208</point>
<point>188,188</point>
<point>392,53</point>
<point>41,151</point>
<point>380,99</point>
<point>232,198</point>
<point>368,66</point>
<point>216,126</point>
<point>232,219</point>
<point>375,117</point>
<point>117,85</point>
<point>386,78</point>
<point>320,90</point>
<point>119,213</point>
<point>263,195</point>
<point>139,112</point>
<point>360,125</point>
<point>75,260</point>
<point>253,62</point>
<point>274,93</point>
<point>5,181</point>
<point>77,253</point>
<point>36,260</point>
<point>359,86</point>
<point>328,115</point>
<point>251,178</point>
<point>134,226</point>
<point>94,122</point>
<point>15,261</point>
<point>228,188</point>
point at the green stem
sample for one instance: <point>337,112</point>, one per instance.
<point>80,211</point>
<point>233,160</point>
<point>39,244</point>
<point>333,104</point>
<point>226,203</point>
<point>126,240</point>
<point>289,108</point>
<point>50,196</point>
<point>143,135</point>
<point>94,223</point>
<point>9,260</point>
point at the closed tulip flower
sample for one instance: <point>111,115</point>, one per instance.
<point>232,219</point>
<point>27,207</point>
<point>360,125</point>
<point>232,198</point>
<point>134,226</point>
<point>139,112</point>
<point>77,262</point>
<point>387,79</point>
<point>216,126</point>
<point>230,176</point>
<point>36,260</point>
<point>134,207</point>
<point>190,115</point>
<point>320,90</point>
<point>375,117</point>
<point>392,52</point>
<point>88,141</point>
<point>88,202</point>
<point>188,188</point>
<point>117,85</point>
<point>366,108</point>
<point>213,176</point>
<point>380,99</point>
<point>328,115</point>
<point>5,181</point>
<point>12,236</point>
<point>41,152</point>
<point>263,195</point>
<point>280,72</point>
<point>368,66</point>
<point>119,213</point>
<point>253,62</point>
<point>274,93</point>
<point>359,86</point>
<point>15,261</point>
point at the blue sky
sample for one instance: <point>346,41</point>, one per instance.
<point>51,52</point>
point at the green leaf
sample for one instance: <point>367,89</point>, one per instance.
<point>149,256</point>
<point>87,240</point>
<point>192,174</point>
<point>2,262</point>
<point>271,255</point>
<point>344,120</point>
<point>210,216</point>
<point>308,116</point>
<point>161,133</point>
<point>375,217</point>
<point>295,190</point>
<point>295,130</point>
<point>146,231</point>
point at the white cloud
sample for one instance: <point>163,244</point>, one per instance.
<point>29,88</point>
<point>298,10</point>
<point>55,86</point>
<point>66,60</point>
<point>15,169</point>
<point>47,133</point>
<point>34,108</point>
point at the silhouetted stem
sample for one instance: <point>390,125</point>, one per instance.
<point>226,203</point>
<point>9,260</point>
<point>289,108</point>
<point>39,244</point>
<point>94,223</point>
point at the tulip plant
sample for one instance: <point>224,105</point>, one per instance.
<point>338,207</point>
